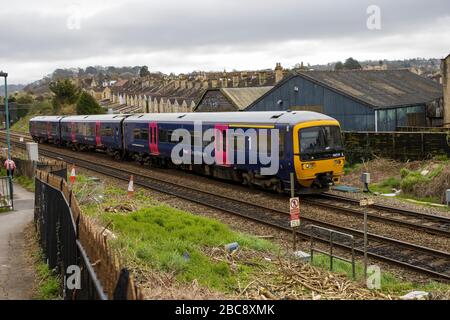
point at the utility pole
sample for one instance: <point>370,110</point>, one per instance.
<point>8,140</point>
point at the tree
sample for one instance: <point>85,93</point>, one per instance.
<point>25,99</point>
<point>91,70</point>
<point>62,74</point>
<point>86,104</point>
<point>339,66</point>
<point>351,64</point>
<point>144,72</point>
<point>65,92</point>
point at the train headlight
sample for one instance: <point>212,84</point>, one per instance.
<point>307,166</point>
<point>337,162</point>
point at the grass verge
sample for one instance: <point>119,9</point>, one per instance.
<point>176,242</point>
<point>47,284</point>
<point>172,241</point>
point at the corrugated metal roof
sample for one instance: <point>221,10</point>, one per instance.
<point>379,88</point>
<point>243,97</point>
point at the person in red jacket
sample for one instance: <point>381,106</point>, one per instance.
<point>10,165</point>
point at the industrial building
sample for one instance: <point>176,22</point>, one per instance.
<point>362,100</point>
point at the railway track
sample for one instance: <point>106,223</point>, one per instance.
<point>429,223</point>
<point>432,262</point>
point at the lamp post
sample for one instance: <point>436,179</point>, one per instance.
<point>8,142</point>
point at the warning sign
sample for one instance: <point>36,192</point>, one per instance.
<point>294,209</point>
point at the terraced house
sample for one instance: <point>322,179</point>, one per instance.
<point>158,93</point>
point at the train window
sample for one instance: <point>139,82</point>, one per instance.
<point>320,139</point>
<point>136,133</point>
<point>163,135</point>
<point>89,129</point>
<point>169,136</point>
<point>281,145</point>
<point>140,134</point>
<point>144,134</point>
<point>106,131</point>
<point>54,127</point>
<point>78,128</point>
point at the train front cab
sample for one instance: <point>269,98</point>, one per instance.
<point>318,154</point>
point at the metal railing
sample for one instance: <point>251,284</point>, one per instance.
<point>326,233</point>
<point>59,230</point>
<point>59,242</point>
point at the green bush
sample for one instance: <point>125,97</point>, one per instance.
<point>441,157</point>
<point>411,179</point>
<point>404,172</point>
<point>86,104</point>
<point>391,183</point>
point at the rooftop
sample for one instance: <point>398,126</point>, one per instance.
<point>241,98</point>
<point>378,88</point>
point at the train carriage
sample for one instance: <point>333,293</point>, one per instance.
<point>254,148</point>
<point>308,143</point>
<point>93,132</point>
<point>46,129</point>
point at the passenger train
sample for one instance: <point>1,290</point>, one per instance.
<point>309,144</point>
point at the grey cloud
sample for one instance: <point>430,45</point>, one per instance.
<point>129,27</point>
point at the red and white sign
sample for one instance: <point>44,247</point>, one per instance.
<point>294,210</point>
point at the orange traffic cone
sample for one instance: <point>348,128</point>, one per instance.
<point>131,187</point>
<point>72,175</point>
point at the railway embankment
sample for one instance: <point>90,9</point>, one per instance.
<point>407,184</point>
<point>261,268</point>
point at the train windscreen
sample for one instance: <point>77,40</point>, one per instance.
<point>325,140</point>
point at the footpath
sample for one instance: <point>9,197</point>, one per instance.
<point>16,273</point>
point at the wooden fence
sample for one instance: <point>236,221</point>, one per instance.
<point>107,265</point>
<point>396,145</point>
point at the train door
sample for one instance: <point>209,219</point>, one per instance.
<point>153,137</point>
<point>98,139</point>
<point>49,130</point>
<point>72,126</point>
<point>221,144</point>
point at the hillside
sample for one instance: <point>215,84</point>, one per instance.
<point>11,88</point>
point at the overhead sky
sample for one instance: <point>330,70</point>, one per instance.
<point>37,37</point>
